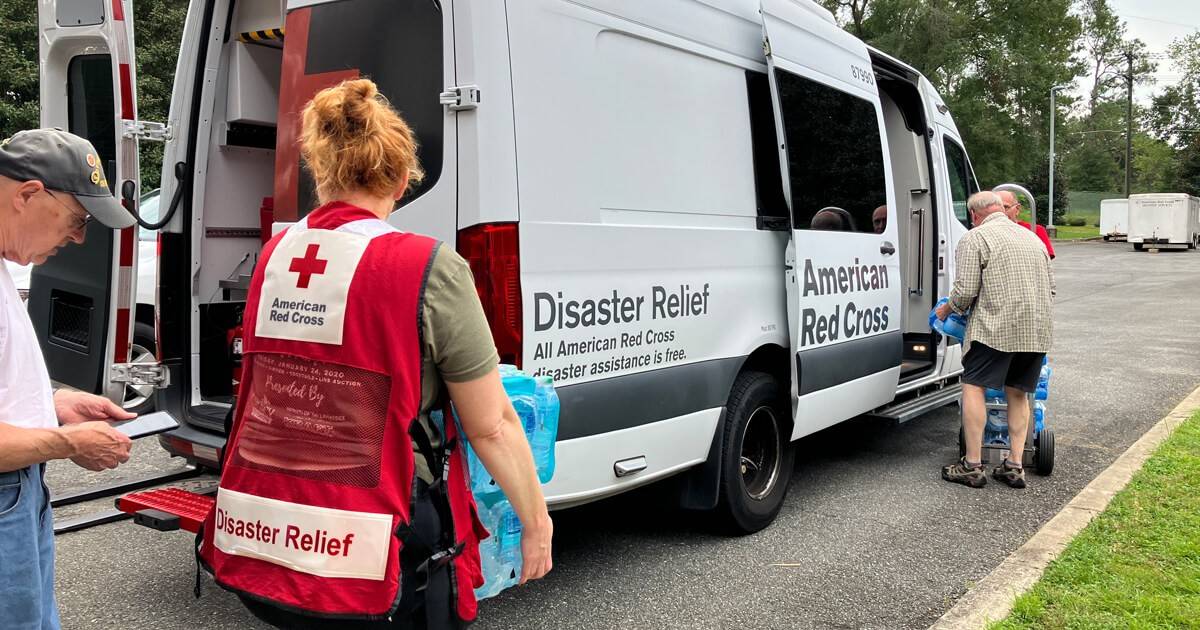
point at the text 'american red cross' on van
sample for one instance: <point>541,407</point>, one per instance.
<point>720,225</point>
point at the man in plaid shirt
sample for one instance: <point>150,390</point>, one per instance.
<point>1004,280</point>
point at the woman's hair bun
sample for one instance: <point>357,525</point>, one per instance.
<point>352,139</point>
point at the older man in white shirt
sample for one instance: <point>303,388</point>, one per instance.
<point>51,186</point>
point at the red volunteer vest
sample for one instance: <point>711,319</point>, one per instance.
<point>318,472</point>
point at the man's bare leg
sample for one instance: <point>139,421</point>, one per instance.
<point>1018,424</point>
<point>974,415</point>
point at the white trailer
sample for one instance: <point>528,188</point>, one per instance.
<point>1114,219</point>
<point>1164,221</point>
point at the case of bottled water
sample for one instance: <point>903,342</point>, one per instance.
<point>537,406</point>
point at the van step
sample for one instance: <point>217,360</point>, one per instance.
<point>168,509</point>
<point>910,408</point>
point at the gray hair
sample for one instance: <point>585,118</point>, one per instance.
<point>983,200</point>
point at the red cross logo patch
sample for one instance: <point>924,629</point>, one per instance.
<point>308,266</point>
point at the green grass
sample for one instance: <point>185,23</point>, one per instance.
<point>1086,203</point>
<point>1137,565</point>
<point>1069,232</point>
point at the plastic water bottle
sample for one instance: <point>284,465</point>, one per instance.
<point>510,546</point>
<point>954,325</point>
<point>489,554</point>
<point>1039,415</point>
<point>995,430</point>
<point>994,396</point>
<point>546,435</point>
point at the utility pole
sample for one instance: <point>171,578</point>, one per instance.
<point>1050,217</point>
<point>1128,118</point>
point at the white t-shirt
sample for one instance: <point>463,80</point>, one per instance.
<point>26,398</point>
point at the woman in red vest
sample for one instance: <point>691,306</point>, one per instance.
<point>343,502</point>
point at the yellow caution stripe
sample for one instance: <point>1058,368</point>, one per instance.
<point>253,37</point>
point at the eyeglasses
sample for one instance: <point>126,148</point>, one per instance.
<point>77,222</point>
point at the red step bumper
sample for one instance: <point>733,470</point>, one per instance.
<point>168,509</point>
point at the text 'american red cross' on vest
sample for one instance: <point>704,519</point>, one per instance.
<point>308,266</point>
<point>318,541</point>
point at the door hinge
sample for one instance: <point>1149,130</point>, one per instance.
<point>155,374</point>
<point>461,98</point>
<point>145,130</point>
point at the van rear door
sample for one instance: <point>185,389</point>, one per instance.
<point>843,280</point>
<point>407,49</point>
<point>81,300</point>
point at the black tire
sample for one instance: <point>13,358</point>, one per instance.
<point>1043,451</point>
<point>962,442</point>
<point>141,400</point>
<point>757,458</point>
<point>1137,247</point>
<point>1106,237</point>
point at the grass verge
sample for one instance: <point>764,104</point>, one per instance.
<point>1071,232</point>
<point>1137,565</point>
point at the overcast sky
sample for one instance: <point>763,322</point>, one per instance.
<point>1158,22</point>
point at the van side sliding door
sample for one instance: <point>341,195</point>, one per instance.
<point>843,280</point>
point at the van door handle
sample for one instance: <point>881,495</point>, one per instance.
<point>887,249</point>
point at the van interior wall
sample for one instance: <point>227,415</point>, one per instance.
<point>239,176</point>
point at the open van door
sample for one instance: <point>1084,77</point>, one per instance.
<point>843,279</point>
<point>81,300</point>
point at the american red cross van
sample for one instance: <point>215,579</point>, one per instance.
<point>719,225</point>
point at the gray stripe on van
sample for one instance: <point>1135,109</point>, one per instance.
<point>623,402</point>
<point>822,368</point>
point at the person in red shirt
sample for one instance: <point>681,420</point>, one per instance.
<point>1012,208</point>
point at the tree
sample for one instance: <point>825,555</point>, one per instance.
<point>1175,115</point>
<point>19,57</point>
<point>1105,45</point>
<point>158,24</point>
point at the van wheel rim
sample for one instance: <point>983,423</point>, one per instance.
<point>137,395</point>
<point>760,457</point>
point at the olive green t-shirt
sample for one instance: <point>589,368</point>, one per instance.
<point>458,342</point>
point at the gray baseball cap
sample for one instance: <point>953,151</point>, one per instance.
<point>64,162</point>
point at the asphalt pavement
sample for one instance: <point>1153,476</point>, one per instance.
<point>869,536</point>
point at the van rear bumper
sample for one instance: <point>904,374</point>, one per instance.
<point>199,448</point>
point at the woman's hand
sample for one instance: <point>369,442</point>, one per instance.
<point>536,561</point>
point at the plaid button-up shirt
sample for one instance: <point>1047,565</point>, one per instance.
<point>1003,276</point>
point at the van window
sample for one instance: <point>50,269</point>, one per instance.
<point>403,54</point>
<point>768,181</point>
<point>90,108</point>
<point>962,180</point>
<point>835,155</point>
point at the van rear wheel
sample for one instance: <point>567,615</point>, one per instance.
<point>757,458</point>
<point>141,398</point>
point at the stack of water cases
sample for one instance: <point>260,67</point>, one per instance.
<point>995,432</point>
<point>537,406</point>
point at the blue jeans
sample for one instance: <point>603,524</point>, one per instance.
<point>26,552</point>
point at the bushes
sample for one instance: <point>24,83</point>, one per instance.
<point>1077,221</point>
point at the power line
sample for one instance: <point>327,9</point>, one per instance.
<point>1159,20</point>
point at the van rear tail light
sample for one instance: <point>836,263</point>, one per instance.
<point>493,253</point>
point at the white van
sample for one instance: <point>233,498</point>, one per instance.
<point>1164,221</point>
<point>636,187</point>
<point>1114,219</point>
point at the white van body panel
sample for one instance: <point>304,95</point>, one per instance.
<point>1164,219</point>
<point>1114,217</point>
<point>636,208</point>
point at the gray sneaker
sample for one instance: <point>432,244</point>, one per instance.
<point>1014,477</point>
<point>960,472</point>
